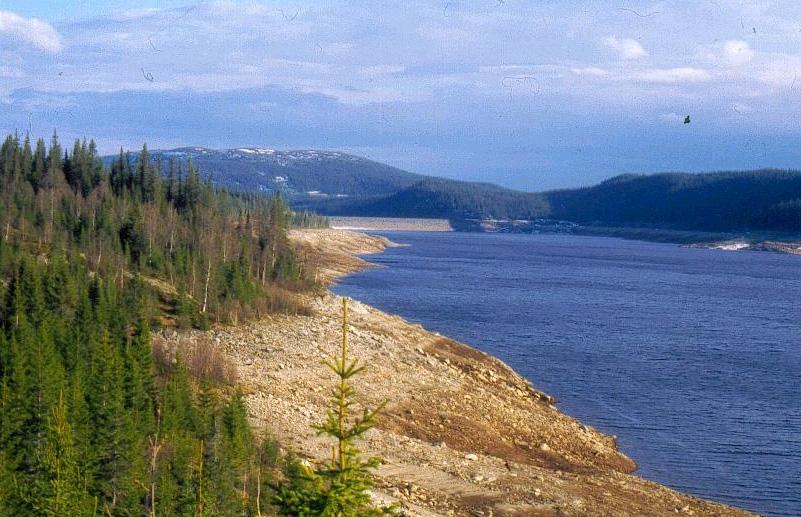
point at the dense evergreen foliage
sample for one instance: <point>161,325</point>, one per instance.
<point>227,253</point>
<point>91,423</point>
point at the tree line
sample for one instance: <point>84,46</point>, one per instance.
<point>227,252</point>
<point>91,421</point>
<point>768,200</point>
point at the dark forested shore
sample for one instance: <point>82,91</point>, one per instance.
<point>94,418</point>
<point>719,202</point>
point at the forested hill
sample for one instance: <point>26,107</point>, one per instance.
<point>301,174</point>
<point>92,422</point>
<point>767,200</point>
<point>442,198</point>
<point>719,201</point>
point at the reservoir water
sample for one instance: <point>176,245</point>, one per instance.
<point>691,357</point>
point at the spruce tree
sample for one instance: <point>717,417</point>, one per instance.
<point>340,488</point>
<point>60,487</point>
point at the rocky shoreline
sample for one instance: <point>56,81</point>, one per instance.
<point>788,247</point>
<point>462,433</point>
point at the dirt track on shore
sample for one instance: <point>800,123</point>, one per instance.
<point>462,433</point>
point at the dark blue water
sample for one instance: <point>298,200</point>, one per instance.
<point>691,357</point>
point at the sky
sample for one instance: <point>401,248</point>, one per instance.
<point>532,95</point>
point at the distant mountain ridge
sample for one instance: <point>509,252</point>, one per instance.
<point>300,174</point>
<point>337,183</point>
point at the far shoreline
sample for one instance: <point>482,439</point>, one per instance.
<point>773,242</point>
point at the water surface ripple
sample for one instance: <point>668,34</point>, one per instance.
<point>691,357</point>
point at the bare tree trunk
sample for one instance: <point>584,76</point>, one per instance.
<point>172,236</point>
<point>264,272</point>
<point>206,289</point>
<point>52,214</point>
<point>155,446</point>
<point>245,492</point>
<point>258,490</point>
<point>199,507</point>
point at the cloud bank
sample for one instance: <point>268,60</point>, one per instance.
<point>532,94</point>
<point>32,31</point>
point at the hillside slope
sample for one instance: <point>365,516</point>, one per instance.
<point>764,200</point>
<point>300,174</point>
<point>720,201</point>
<point>450,199</point>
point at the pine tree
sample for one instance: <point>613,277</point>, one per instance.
<point>59,488</point>
<point>147,177</point>
<point>112,439</point>
<point>236,453</point>
<point>339,489</point>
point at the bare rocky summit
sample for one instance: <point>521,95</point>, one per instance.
<point>462,434</point>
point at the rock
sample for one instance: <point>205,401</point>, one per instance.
<point>477,478</point>
<point>545,447</point>
<point>471,457</point>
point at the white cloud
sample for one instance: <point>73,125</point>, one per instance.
<point>737,52</point>
<point>626,48</point>
<point>590,70</point>
<point>32,31</point>
<point>672,75</point>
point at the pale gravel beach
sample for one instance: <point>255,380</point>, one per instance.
<point>390,224</point>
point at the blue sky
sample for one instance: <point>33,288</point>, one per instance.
<point>533,95</point>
